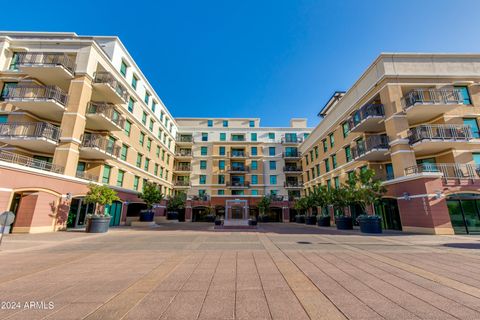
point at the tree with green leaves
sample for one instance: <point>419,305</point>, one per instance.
<point>264,205</point>
<point>368,190</point>
<point>151,195</point>
<point>176,202</point>
<point>320,197</point>
<point>100,195</point>
<point>302,204</point>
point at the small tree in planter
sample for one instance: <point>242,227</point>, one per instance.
<point>174,204</point>
<point>340,198</point>
<point>151,195</point>
<point>100,195</point>
<point>322,198</point>
<point>301,205</point>
<point>263,207</point>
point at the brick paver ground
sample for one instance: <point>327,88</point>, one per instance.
<point>281,271</point>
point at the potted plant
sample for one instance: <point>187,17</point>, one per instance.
<point>321,197</point>
<point>174,204</point>
<point>151,195</point>
<point>252,222</point>
<point>340,198</point>
<point>370,223</point>
<point>100,195</point>
<point>301,205</point>
<point>263,207</point>
<point>218,221</point>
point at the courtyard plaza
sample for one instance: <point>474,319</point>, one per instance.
<point>279,271</point>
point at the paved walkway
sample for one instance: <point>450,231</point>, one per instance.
<point>188,271</point>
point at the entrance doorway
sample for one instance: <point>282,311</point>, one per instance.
<point>464,210</point>
<point>115,212</point>
<point>78,213</point>
<point>388,210</point>
<point>237,212</point>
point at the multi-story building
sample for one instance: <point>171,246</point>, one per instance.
<point>413,118</point>
<point>76,110</point>
<point>224,164</point>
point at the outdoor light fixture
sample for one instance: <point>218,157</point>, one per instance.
<point>69,196</point>
<point>406,196</point>
<point>438,194</point>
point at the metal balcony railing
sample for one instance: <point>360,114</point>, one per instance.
<point>86,176</point>
<point>24,91</point>
<point>108,110</point>
<point>432,96</point>
<point>293,184</point>
<point>46,59</point>
<point>365,112</point>
<point>238,169</point>
<point>291,139</point>
<point>29,162</point>
<point>459,171</point>
<point>238,138</point>
<point>100,142</point>
<point>184,153</point>
<point>237,154</point>
<point>108,78</point>
<point>292,154</point>
<point>239,184</point>
<point>183,168</point>
<point>182,183</point>
<point>29,130</point>
<point>370,143</point>
<point>292,169</point>
<point>184,138</point>
<point>440,132</point>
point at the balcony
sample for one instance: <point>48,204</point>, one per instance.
<point>372,148</point>
<point>238,184</point>
<point>183,168</point>
<point>292,170</point>
<point>448,171</point>
<point>184,140</point>
<point>238,169</point>
<point>47,102</point>
<point>29,162</point>
<point>95,146</point>
<point>237,154</point>
<point>237,138</point>
<point>54,68</point>
<point>292,155</point>
<point>86,176</point>
<point>34,136</point>
<point>291,140</point>
<point>368,119</point>
<point>421,105</point>
<point>108,88</point>
<point>293,185</point>
<point>428,139</point>
<point>184,154</point>
<point>104,116</point>
<point>181,184</point>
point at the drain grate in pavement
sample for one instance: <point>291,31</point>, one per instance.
<point>303,242</point>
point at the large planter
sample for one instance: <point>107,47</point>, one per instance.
<point>147,215</point>
<point>323,221</point>
<point>311,220</point>
<point>300,219</point>
<point>252,222</point>
<point>263,218</point>
<point>210,218</point>
<point>97,224</point>
<point>218,222</point>
<point>370,224</point>
<point>172,215</point>
<point>344,223</point>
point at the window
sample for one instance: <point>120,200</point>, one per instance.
<point>14,62</point>
<point>144,118</point>
<point>221,164</point>
<point>223,136</point>
<point>139,160</point>
<point>271,135</point>
<point>221,179</point>
<point>306,159</point>
<point>106,173</point>
<point>254,179</point>
<point>147,98</point>
<point>317,167</point>
<point>203,151</point>
<point>254,165</point>
<point>464,94</point>
<point>168,159</point>
<point>311,155</point>
<point>324,143</point>
<point>472,122</point>
<point>131,105</point>
<point>155,169</point>
<point>3,118</point>
<point>6,88</point>
<point>273,165</point>
<point>221,151</point>
<point>308,175</point>
<point>348,154</point>
<point>254,192</point>
<point>120,176</point>
<point>210,123</point>
<point>141,138</point>
<point>350,174</point>
<point>221,192</point>
<point>149,144</point>
<point>271,151</point>
<point>225,123</point>
<point>203,179</point>
<point>124,152</point>
<point>136,179</point>
<point>336,182</point>
<point>389,171</point>
<point>274,192</point>
<point>204,136</point>
<point>329,184</point>
<point>81,166</point>
<point>163,155</point>
<point>238,192</point>
<point>334,161</point>
<point>253,151</point>
<point>162,114</point>
<point>151,125</point>
<point>134,81</point>
<point>123,68</point>
<point>253,136</point>
<point>327,165</point>
<point>154,105</point>
<point>147,164</point>
<point>203,164</point>
<point>346,129</point>
<point>332,139</point>
<point>251,124</point>
<point>316,152</point>
<point>157,152</point>
<point>273,179</point>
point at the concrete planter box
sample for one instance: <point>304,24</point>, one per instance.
<point>344,223</point>
<point>371,224</point>
<point>323,221</point>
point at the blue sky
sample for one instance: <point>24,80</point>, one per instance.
<point>269,59</point>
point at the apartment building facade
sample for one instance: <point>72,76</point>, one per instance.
<point>230,164</point>
<point>76,110</point>
<point>413,118</point>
